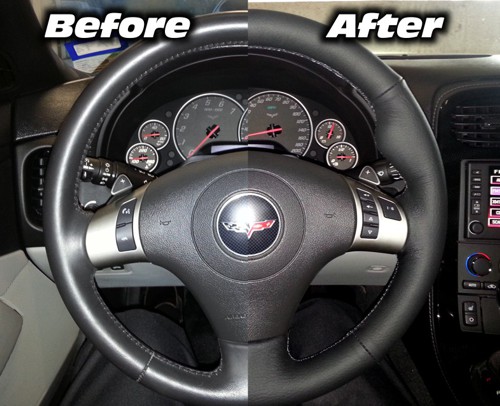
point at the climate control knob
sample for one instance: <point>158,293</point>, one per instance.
<point>479,264</point>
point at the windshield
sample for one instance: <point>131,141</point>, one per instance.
<point>93,56</point>
<point>471,28</point>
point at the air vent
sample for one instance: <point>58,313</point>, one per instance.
<point>477,125</point>
<point>34,172</point>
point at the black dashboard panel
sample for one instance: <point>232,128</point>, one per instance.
<point>238,79</point>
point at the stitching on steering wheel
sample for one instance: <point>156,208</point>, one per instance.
<point>143,372</point>
<point>353,330</point>
<point>398,83</point>
<point>324,66</point>
<point>335,72</point>
<point>145,348</point>
<point>365,348</point>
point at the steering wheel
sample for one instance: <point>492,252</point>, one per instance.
<point>249,275</point>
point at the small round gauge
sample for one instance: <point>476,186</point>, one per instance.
<point>204,119</point>
<point>155,133</point>
<point>143,156</point>
<point>329,132</point>
<point>342,156</point>
<point>280,117</point>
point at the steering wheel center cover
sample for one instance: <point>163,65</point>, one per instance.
<point>248,225</point>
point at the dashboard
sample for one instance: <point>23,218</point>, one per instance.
<point>220,107</point>
<point>180,129</point>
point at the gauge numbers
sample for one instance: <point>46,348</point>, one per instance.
<point>155,133</point>
<point>329,132</point>
<point>204,119</point>
<point>143,156</point>
<point>342,156</point>
<point>280,117</point>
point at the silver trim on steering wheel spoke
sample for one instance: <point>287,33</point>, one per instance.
<point>106,229</point>
<point>391,234</point>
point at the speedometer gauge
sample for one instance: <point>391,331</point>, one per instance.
<point>280,117</point>
<point>205,119</point>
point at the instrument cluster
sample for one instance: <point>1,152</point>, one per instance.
<point>183,128</point>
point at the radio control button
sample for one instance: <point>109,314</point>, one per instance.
<point>369,232</point>
<point>370,219</point>
<point>368,207</point>
<point>476,227</point>
<point>495,222</point>
<point>494,201</point>
<point>494,191</point>
<point>494,212</point>
<point>364,195</point>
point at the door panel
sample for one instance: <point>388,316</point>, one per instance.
<point>47,336</point>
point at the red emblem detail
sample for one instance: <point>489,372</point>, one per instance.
<point>248,228</point>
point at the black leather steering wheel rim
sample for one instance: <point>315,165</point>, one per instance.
<point>262,372</point>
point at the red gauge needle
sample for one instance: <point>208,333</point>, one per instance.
<point>194,151</point>
<point>331,131</point>
<point>142,158</point>
<point>274,130</point>
<point>345,157</point>
<point>151,135</point>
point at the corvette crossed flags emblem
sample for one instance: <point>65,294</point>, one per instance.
<point>248,228</point>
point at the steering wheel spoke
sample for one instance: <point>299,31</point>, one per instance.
<point>113,233</point>
<point>381,223</point>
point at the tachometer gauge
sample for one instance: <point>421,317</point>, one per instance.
<point>155,133</point>
<point>205,119</point>
<point>342,156</point>
<point>280,117</point>
<point>329,132</point>
<point>142,156</point>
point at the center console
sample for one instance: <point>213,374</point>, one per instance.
<point>479,246</point>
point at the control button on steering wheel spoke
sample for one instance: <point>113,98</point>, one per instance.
<point>113,233</point>
<point>386,233</point>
